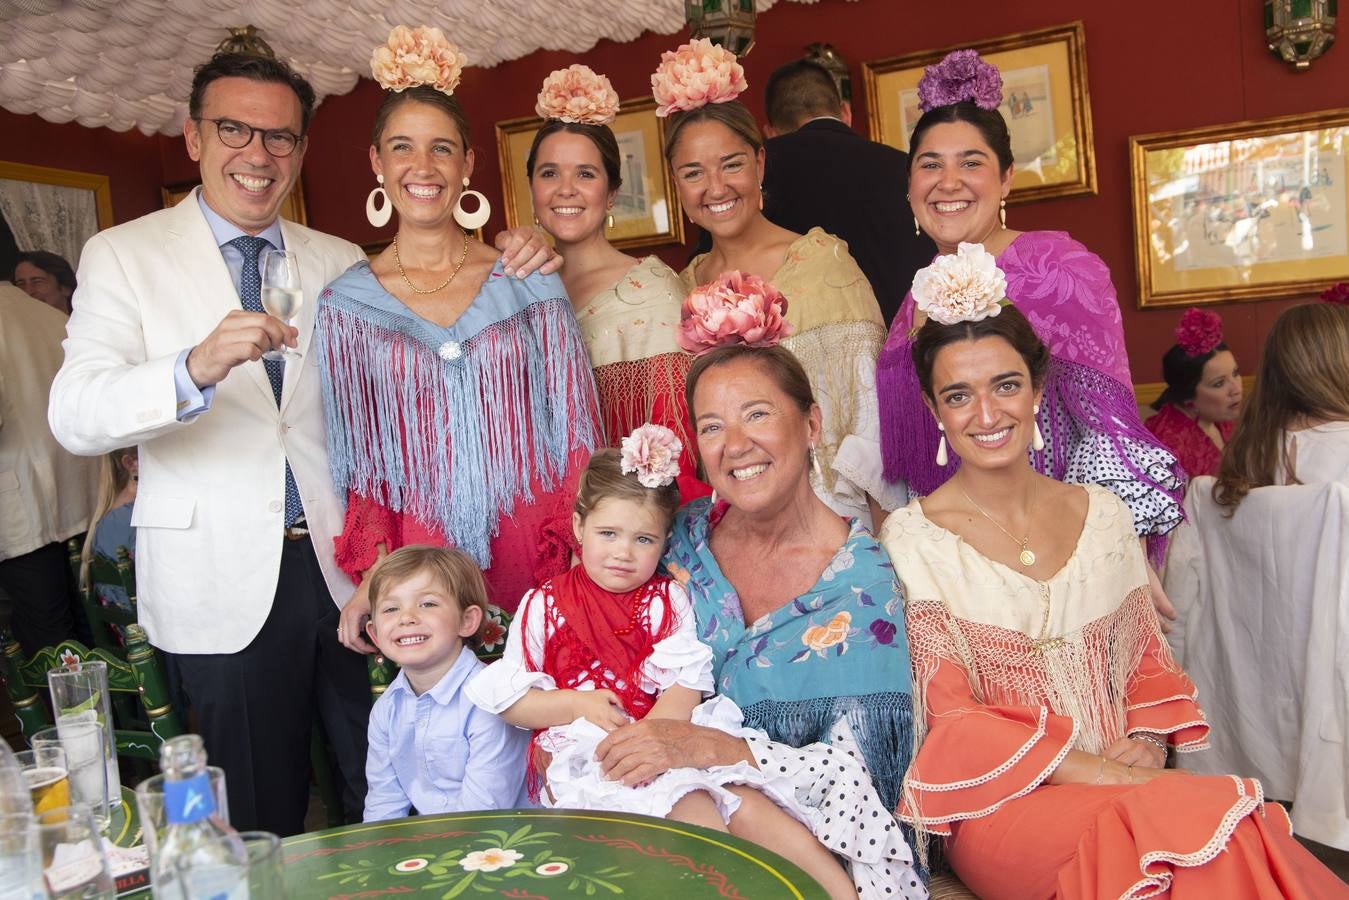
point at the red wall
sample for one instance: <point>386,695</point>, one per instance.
<point>1152,67</point>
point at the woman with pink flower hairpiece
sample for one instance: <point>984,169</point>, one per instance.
<point>458,400</point>
<point>716,153</point>
<point>1045,695</point>
<point>960,173</point>
<point>1198,411</point>
<point>612,641</point>
<point>627,308</point>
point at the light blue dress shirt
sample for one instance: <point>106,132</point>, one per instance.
<point>438,753</point>
<point>190,401</point>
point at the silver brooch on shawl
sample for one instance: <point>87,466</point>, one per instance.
<point>449,351</point>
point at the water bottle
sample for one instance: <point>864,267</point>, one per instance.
<point>20,853</point>
<point>190,811</point>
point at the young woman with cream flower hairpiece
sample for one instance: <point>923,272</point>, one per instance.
<point>459,403</point>
<point>1045,697</point>
<point>628,309</point>
<point>715,151</point>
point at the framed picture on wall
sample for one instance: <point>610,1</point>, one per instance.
<point>646,210</point>
<point>53,209</point>
<point>1045,102</point>
<point>292,208</point>
<point>1251,211</point>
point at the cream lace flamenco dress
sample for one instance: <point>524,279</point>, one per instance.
<point>1012,673</point>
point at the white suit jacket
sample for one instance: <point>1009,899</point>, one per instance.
<point>46,494</point>
<point>210,503</point>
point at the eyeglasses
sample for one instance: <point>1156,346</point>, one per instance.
<point>237,135</point>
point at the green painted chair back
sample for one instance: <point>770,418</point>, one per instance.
<point>141,672</point>
<point>106,622</point>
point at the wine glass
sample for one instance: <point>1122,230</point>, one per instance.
<point>282,296</point>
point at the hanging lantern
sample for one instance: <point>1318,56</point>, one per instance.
<point>729,23</point>
<point>827,58</point>
<point>245,41</point>
<point>1299,30</point>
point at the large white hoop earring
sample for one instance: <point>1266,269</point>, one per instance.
<point>378,216</point>
<point>942,458</point>
<point>472,221</point>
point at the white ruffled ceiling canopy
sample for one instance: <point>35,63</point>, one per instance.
<point>128,64</point>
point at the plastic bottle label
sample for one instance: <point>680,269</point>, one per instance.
<point>189,800</point>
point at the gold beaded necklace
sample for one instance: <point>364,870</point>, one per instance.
<point>440,287</point>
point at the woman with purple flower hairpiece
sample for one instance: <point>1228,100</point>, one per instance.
<point>1198,411</point>
<point>960,158</point>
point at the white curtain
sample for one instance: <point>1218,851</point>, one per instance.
<point>49,217</point>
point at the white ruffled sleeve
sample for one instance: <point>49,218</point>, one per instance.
<point>497,687</point>
<point>681,658</point>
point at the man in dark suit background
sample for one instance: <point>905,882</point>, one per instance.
<point>819,172</point>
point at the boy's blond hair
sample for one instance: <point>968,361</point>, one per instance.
<point>454,570</point>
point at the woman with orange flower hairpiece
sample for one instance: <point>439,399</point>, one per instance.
<point>715,151</point>
<point>627,308</point>
<point>458,400</point>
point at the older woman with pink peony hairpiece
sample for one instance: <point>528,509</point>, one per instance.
<point>716,154</point>
<point>1198,411</point>
<point>960,173</point>
<point>627,307</point>
<point>458,399</point>
<point>798,604</point>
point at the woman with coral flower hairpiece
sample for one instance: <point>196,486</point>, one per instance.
<point>960,165</point>
<point>458,399</point>
<point>627,308</point>
<point>1045,697</point>
<point>716,153</point>
<point>1198,411</point>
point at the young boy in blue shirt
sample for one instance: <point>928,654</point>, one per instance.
<point>431,749</point>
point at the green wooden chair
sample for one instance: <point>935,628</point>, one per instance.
<point>106,622</point>
<point>141,673</point>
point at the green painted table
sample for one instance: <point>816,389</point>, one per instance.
<point>537,855</point>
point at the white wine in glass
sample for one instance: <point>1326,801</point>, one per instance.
<point>282,295</point>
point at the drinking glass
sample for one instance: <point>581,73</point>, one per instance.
<point>20,857</point>
<point>150,807</point>
<point>82,742</point>
<point>80,694</point>
<point>282,296</point>
<point>250,867</point>
<point>73,861</point>
<point>48,777</point>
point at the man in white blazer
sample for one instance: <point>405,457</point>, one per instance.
<point>234,553</point>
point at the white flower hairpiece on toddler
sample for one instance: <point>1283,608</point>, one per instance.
<point>964,286</point>
<point>417,56</point>
<point>652,452</point>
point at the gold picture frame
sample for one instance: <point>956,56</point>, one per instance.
<point>1050,127</point>
<point>88,181</point>
<point>646,210</point>
<point>1248,211</point>
<point>292,208</point>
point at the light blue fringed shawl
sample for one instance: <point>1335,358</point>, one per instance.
<point>836,652</point>
<point>453,425</point>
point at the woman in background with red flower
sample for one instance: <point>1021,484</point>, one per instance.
<point>1198,410</point>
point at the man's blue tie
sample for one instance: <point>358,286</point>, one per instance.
<point>250,295</point>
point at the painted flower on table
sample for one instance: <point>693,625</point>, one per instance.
<point>408,866</point>
<point>821,637</point>
<point>490,860</point>
<point>548,870</point>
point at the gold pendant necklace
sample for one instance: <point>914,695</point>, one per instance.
<point>440,287</point>
<point>1026,556</point>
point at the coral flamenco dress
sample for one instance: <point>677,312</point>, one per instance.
<point>1011,673</point>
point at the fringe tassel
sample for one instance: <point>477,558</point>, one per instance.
<point>634,392</point>
<point>908,432</point>
<point>454,434</point>
<point>882,724</point>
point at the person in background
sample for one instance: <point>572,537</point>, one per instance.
<point>716,156</point>
<point>819,173</point>
<point>1198,410</point>
<point>110,527</point>
<point>1295,427</point>
<point>431,749</point>
<point>1044,694</point>
<point>627,308</point>
<point>47,277</point>
<point>45,491</point>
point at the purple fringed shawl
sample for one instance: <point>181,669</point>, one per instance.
<point>1064,290</point>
